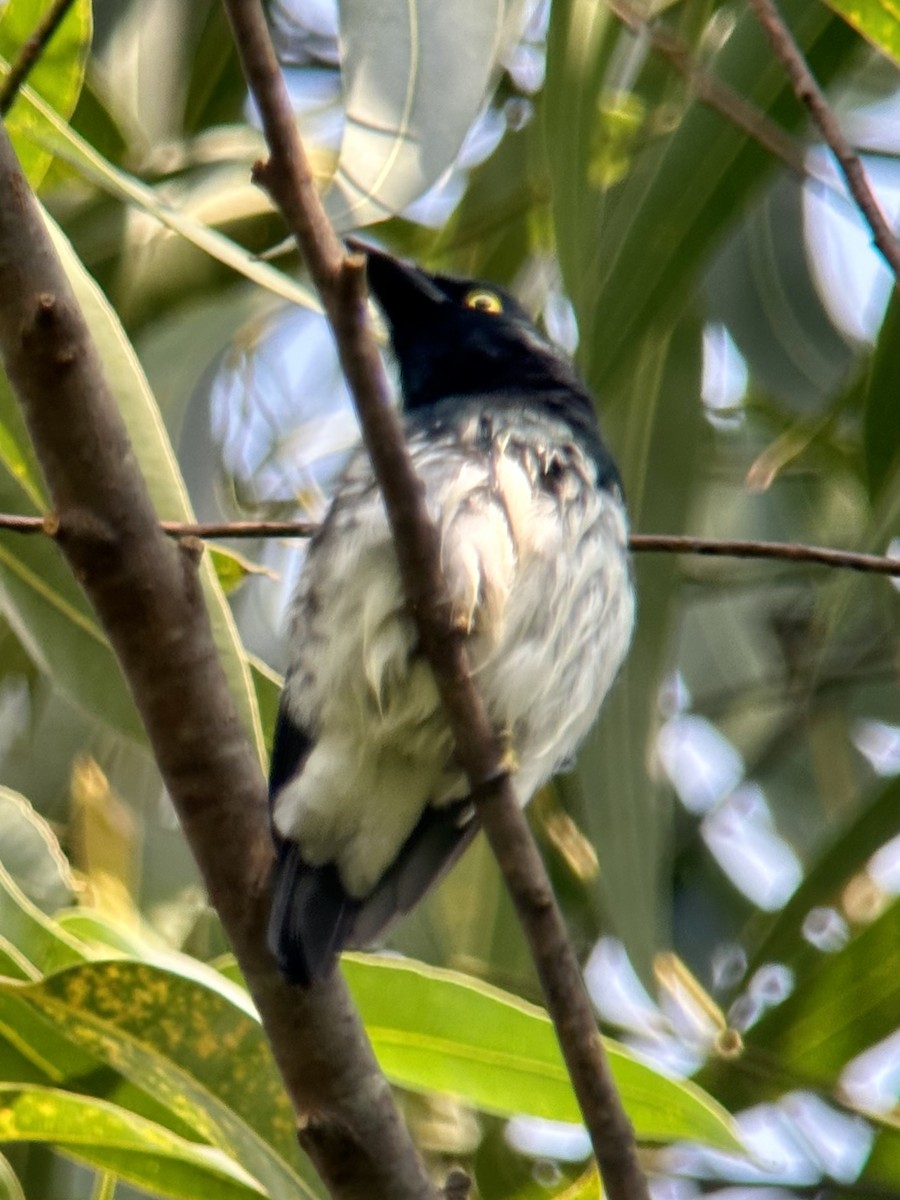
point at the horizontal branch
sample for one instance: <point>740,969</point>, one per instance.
<point>798,552</point>
<point>640,543</point>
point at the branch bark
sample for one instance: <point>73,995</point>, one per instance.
<point>810,94</point>
<point>639,543</point>
<point>340,280</point>
<point>145,590</point>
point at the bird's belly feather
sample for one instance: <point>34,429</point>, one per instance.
<point>536,565</point>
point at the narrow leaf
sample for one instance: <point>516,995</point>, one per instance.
<point>64,143</point>
<point>31,853</point>
<point>881,426</point>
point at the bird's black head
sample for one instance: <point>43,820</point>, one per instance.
<point>458,337</point>
<point>462,338</point>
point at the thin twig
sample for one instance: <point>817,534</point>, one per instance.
<point>30,54</point>
<point>785,551</point>
<point>653,543</point>
<point>810,94</point>
<point>714,92</point>
<point>341,281</point>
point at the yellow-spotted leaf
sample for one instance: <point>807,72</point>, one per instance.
<point>877,20</point>
<point>112,1139</point>
<point>191,1039</point>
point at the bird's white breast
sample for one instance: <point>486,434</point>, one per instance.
<point>535,559</point>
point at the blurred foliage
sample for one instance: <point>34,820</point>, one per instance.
<point>725,848</point>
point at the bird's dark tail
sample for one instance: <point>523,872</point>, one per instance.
<point>311,916</point>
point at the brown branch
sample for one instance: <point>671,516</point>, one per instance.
<point>30,54</point>
<point>341,282</point>
<point>145,590</point>
<point>658,543</point>
<point>713,92</point>
<point>810,94</point>
<point>785,551</point>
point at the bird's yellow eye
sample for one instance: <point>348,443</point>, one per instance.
<point>483,301</point>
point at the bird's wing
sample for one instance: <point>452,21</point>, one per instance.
<point>313,916</point>
<point>311,912</point>
<point>290,747</point>
<point>437,841</point>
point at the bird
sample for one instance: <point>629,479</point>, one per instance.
<point>369,805</point>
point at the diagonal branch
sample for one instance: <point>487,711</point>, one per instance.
<point>30,54</point>
<point>341,282</point>
<point>810,94</point>
<point>145,590</point>
<point>714,92</point>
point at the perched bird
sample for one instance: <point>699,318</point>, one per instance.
<point>369,805</point>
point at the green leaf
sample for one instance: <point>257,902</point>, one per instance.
<point>34,935</point>
<point>31,853</point>
<point>842,1004</point>
<point>41,600</point>
<point>42,1047</point>
<point>46,609</point>
<point>657,428</point>
<point>52,619</point>
<point>881,428</point>
<point>268,684</point>
<point>414,78</point>
<point>438,1031</point>
<point>848,853</point>
<point>14,964</point>
<point>159,466</point>
<point>632,255</point>
<point>56,77</point>
<point>882,1170</point>
<point>232,567</point>
<point>94,928</point>
<point>63,142</point>
<point>111,1139</point>
<point>877,20</point>
<point>192,1040</point>
<point>10,1188</point>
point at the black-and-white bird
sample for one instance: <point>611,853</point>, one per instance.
<point>369,805</point>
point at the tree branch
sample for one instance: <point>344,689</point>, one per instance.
<point>146,592</point>
<point>341,282</point>
<point>797,552</point>
<point>30,54</point>
<point>810,94</point>
<point>653,543</point>
<point>713,92</point>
